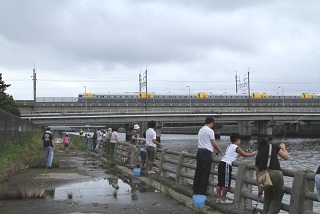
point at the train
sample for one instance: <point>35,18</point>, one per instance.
<point>200,97</point>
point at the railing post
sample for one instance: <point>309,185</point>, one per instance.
<point>241,186</point>
<point>300,185</point>
<point>215,161</point>
<point>162,156</point>
<point>179,168</point>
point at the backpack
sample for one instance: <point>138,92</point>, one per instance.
<point>66,140</point>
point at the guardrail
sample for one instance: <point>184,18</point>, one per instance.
<point>169,110</point>
<point>180,166</point>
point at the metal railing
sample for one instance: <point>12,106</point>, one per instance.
<point>299,194</point>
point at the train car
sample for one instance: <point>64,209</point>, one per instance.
<point>259,95</point>
<point>202,95</point>
<point>143,95</point>
<point>308,96</point>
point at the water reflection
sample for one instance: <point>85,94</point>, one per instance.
<point>101,190</point>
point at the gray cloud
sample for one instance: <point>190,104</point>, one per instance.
<point>182,42</point>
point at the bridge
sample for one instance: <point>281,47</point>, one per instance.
<point>261,118</point>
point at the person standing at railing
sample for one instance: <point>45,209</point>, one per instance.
<point>274,194</point>
<point>206,145</point>
<point>317,180</point>
<point>151,144</point>
<point>135,138</point>
<point>225,167</point>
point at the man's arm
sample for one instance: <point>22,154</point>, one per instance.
<point>215,145</point>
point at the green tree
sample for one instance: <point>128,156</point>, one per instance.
<point>7,103</point>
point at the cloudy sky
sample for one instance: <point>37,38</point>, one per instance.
<point>103,45</point>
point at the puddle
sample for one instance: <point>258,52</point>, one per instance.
<point>101,191</point>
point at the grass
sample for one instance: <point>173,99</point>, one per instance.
<point>20,155</point>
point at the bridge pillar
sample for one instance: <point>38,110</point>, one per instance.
<point>158,131</point>
<point>217,131</point>
<point>244,128</point>
<point>129,129</point>
<point>265,128</point>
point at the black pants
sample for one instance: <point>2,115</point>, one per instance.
<point>202,173</point>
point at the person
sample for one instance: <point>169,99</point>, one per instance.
<point>143,151</point>
<point>48,145</point>
<point>206,145</point>
<point>317,180</point>
<point>87,136</point>
<point>151,145</point>
<point>80,133</point>
<point>113,140</point>
<point>99,141</point>
<point>108,136</point>
<point>66,141</point>
<point>94,139</point>
<point>133,153</point>
<point>225,167</point>
<point>273,195</point>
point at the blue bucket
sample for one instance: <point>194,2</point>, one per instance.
<point>199,201</point>
<point>136,171</point>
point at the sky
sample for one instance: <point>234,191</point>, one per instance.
<point>102,46</point>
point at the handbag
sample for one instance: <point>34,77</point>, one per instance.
<point>264,180</point>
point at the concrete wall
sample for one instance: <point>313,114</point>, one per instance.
<point>13,127</point>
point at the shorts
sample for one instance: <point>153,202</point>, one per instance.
<point>66,145</point>
<point>224,174</point>
<point>151,151</point>
<point>143,155</point>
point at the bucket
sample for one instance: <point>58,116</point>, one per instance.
<point>136,171</point>
<point>199,201</point>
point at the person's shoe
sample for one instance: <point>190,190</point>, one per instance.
<point>218,201</point>
<point>151,172</point>
<point>226,201</point>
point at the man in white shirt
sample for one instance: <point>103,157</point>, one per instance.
<point>151,144</point>
<point>206,144</point>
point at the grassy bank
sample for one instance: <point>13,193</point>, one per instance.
<point>20,155</point>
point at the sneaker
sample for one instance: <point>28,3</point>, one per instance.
<point>226,202</point>
<point>218,201</point>
<point>151,172</point>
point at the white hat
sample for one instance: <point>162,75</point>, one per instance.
<point>136,126</point>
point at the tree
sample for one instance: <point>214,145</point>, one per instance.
<point>7,103</point>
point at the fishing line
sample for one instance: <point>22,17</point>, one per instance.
<point>285,131</point>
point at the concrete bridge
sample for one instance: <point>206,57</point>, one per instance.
<point>258,118</point>
<point>263,123</point>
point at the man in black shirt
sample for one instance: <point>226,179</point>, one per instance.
<point>48,145</point>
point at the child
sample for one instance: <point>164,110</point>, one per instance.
<point>143,151</point>
<point>225,167</point>
<point>66,142</point>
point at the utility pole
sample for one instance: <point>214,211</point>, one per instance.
<point>143,82</point>
<point>34,78</point>
<point>245,86</point>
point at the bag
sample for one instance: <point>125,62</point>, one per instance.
<point>264,181</point>
<point>263,178</point>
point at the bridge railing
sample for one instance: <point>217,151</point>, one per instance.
<point>170,110</point>
<point>299,194</point>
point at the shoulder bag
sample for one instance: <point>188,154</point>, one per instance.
<point>264,181</point>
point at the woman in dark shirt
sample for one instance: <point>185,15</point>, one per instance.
<point>272,196</point>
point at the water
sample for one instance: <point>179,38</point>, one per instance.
<point>304,153</point>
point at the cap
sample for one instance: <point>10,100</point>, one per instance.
<point>109,129</point>
<point>136,126</point>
